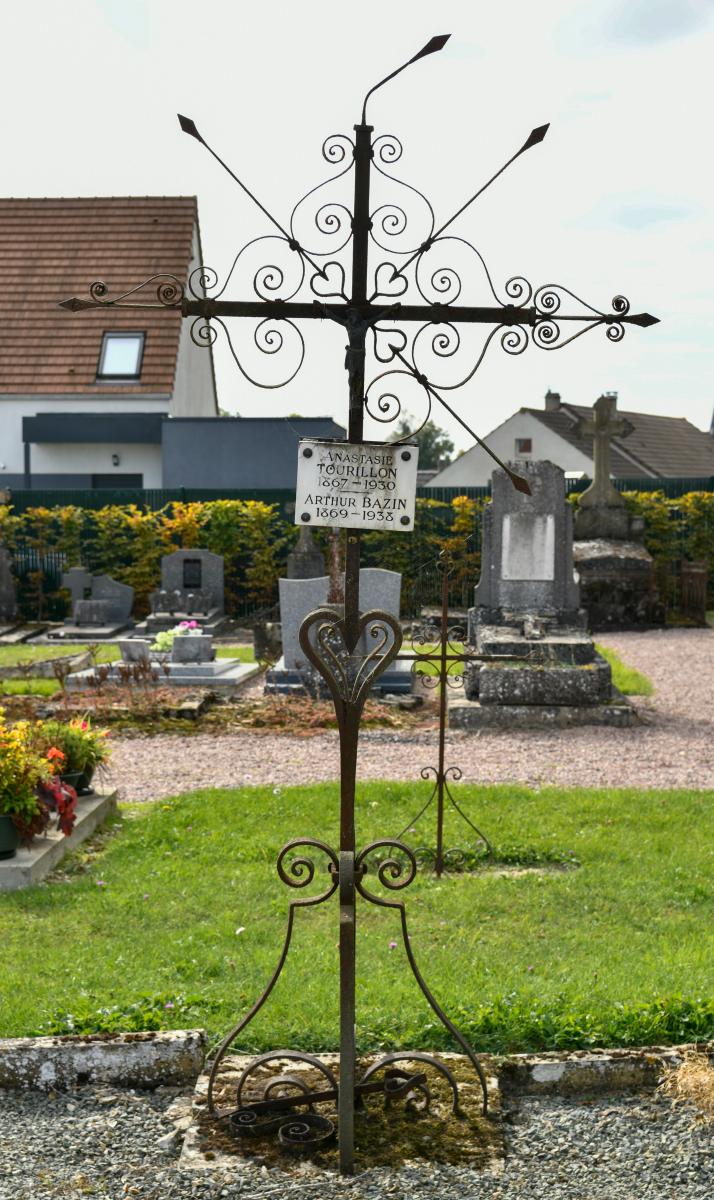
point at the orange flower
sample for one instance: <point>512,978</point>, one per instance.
<point>53,752</point>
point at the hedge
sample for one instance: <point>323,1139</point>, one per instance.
<point>127,542</point>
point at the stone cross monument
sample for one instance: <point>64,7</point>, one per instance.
<point>617,580</point>
<point>602,510</point>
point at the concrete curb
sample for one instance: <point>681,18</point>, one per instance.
<point>177,1057</point>
<point>580,1071</point>
<point>142,1060</point>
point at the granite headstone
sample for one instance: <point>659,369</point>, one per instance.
<point>378,589</point>
<point>191,571</point>
<point>527,549</point>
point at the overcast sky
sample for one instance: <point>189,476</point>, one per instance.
<point>617,199</point>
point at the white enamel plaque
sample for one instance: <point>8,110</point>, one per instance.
<point>366,485</point>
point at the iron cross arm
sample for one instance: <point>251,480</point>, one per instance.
<point>508,314</point>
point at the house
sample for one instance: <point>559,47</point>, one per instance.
<point>83,396</point>
<point>655,447</point>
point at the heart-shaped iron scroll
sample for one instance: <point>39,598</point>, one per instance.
<point>349,676</point>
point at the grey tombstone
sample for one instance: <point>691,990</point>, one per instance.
<point>78,582</point>
<point>134,650</point>
<point>191,571</point>
<point>118,596</point>
<point>379,589</point>
<point>98,600</point>
<point>192,648</point>
<point>306,560</point>
<point>537,665</point>
<point>527,549</point>
<point>8,597</point>
<point>88,613</point>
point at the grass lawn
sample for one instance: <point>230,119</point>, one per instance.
<point>178,918</point>
<point>244,654</point>
<point>628,680</point>
<point>28,687</point>
<point>13,656</point>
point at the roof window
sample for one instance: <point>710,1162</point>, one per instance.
<point>121,356</point>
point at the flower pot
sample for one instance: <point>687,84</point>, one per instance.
<point>83,786</point>
<point>9,836</point>
<point>72,780</point>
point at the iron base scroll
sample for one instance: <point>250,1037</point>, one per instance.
<point>273,1099</point>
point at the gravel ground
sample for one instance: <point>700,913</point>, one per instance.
<point>107,1144</point>
<point>674,747</point>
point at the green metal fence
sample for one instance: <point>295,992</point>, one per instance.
<point>157,498</point>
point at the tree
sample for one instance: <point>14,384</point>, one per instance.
<point>435,445</point>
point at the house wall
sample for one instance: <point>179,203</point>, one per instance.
<point>96,459</point>
<point>194,388</point>
<point>73,458</point>
<point>475,467</point>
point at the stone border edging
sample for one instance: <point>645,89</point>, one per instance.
<point>143,1060</point>
<point>170,1057</point>
<point>568,1073</point>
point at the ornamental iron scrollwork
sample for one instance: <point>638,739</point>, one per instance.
<point>316,266</point>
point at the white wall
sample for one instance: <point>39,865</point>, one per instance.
<point>14,408</point>
<point>194,388</point>
<point>475,467</point>
<point>95,458</point>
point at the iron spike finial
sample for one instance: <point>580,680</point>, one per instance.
<point>432,46</point>
<point>535,136</point>
<point>76,304</point>
<point>436,43</point>
<point>189,127</point>
<point>643,320</point>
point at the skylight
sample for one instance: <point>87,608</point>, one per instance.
<point>121,356</point>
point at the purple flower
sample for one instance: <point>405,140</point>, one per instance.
<point>169,1004</point>
<point>392,945</point>
<point>101,883</point>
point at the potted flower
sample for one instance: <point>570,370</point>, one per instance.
<point>84,749</point>
<point>30,788</point>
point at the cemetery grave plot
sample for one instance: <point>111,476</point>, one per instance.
<point>617,952</point>
<point>392,1134</point>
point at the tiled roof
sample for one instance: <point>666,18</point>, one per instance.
<point>51,249</point>
<point>669,447</point>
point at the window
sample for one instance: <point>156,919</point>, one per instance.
<point>524,446</point>
<point>117,481</point>
<point>121,356</point>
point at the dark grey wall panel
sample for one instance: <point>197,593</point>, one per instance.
<point>251,452</point>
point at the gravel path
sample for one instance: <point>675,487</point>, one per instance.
<point>673,748</point>
<point>107,1144</point>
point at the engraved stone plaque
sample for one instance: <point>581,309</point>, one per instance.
<point>528,546</point>
<point>350,485</point>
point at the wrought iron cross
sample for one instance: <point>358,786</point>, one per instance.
<point>412,340</point>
